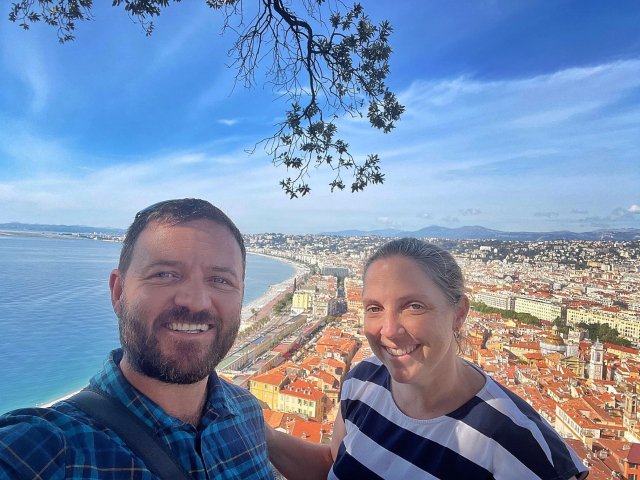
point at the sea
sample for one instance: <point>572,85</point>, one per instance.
<point>56,317</point>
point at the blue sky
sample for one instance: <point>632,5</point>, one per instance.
<point>519,116</point>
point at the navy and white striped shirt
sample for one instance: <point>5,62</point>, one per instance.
<point>495,435</point>
<point>64,442</point>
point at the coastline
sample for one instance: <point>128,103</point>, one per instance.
<point>263,304</point>
<point>273,293</point>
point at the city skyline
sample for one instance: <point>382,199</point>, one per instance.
<point>519,118</point>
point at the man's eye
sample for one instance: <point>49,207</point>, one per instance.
<point>219,280</point>
<point>415,306</point>
<point>373,309</point>
<point>165,275</point>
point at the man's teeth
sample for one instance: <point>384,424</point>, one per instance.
<point>396,352</point>
<point>188,327</point>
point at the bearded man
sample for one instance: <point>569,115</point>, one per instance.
<point>177,293</point>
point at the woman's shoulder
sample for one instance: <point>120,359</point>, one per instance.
<point>368,370</point>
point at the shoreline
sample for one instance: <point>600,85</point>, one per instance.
<point>273,292</point>
<point>263,305</point>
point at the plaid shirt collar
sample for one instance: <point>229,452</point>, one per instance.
<point>111,380</point>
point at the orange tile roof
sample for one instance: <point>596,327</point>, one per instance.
<point>306,430</point>
<point>270,378</point>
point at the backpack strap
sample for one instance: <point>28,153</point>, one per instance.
<point>142,440</point>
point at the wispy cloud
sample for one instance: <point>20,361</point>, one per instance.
<point>470,212</point>
<point>467,141</point>
<point>389,222</point>
<point>616,217</point>
<point>228,122</point>
<point>27,63</point>
<point>546,214</point>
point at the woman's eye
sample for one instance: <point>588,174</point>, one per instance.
<point>415,306</point>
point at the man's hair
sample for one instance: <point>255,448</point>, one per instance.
<point>176,212</point>
<point>434,261</point>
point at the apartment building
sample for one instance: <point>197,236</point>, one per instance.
<point>542,309</point>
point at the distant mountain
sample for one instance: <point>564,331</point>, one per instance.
<point>33,227</point>
<point>482,233</point>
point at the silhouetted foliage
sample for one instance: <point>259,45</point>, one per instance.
<point>329,60</point>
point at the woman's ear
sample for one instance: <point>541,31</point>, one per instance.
<point>462,309</point>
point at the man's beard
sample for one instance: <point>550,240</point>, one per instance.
<point>142,349</point>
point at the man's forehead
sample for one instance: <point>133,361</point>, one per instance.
<point>157,236</point>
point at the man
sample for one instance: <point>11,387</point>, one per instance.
<point>177,293</point>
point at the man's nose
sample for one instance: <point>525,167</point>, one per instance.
<point>194,295</point>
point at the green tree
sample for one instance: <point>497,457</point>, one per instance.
<point>604,333</point>
<point>283,304</point>
<point>522,317</point>
<point>330,60</point>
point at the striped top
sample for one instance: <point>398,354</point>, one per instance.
<point>496,434</point>
<point>65,442</point>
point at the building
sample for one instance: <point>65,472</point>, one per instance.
<point>301,302</point>
<point>500,300</point>
<point>596,363</point>
<point>542,309</point>
<point>303,398</point>
<point>266,387</point>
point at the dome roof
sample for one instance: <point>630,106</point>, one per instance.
<point>554,340</point>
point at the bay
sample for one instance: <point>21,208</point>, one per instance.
<point>56,317</point>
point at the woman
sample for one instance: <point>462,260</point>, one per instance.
<point>416,409</point>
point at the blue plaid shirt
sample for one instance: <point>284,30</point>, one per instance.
<point>64,442</point>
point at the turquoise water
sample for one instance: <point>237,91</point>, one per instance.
<point>56,316</point>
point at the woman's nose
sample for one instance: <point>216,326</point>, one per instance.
<point>391,326</point>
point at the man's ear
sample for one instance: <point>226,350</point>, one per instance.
<point>115,285</point>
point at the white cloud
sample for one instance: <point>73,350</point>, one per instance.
<point>470,211</point>
<point>462,142</point>
<point>228,122</point>
<point>389,222</point>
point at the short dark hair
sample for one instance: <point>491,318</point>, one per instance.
<point>176,212</point>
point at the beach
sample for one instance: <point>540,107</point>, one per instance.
<point>263,304</point>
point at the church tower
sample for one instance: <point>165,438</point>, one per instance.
<point>596,364</point>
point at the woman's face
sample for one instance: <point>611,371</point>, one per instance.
<point>409,322</point>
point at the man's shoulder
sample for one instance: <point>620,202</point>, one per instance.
<point>235,392</point>
<point>33,438</point>
<point>58,421</point>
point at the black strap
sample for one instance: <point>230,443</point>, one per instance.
<point>142,441</point>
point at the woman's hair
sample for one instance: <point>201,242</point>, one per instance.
<point>437,263</point>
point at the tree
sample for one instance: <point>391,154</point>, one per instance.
<point>330,61</point>
<point>604,333</point>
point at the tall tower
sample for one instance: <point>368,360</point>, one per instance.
<point>596,364</point>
